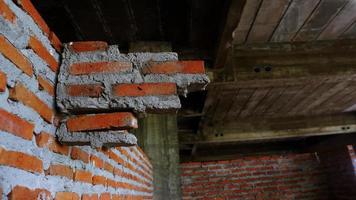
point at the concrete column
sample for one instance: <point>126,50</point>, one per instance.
<point>158,137</point>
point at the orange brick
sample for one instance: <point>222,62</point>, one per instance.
<point>82,176</point>
<point>90,90</point>
<point>15,125</point>
<point>42,52</point>
<point>6,12</point>
<point>15,56</point>
<point>115,157</point>
<point>78,154</point>
<point>120,120</point>
<point>60,170</point>
<point>22,193</point>
<point>45,85</point>
<point>118,172</point>
<point>20,160</point>
<point>3,81</point>
<point>111,183</point>
<point>31,10</point>
<point>108,167</point>
<point>99,180</point>
<point>105,196</point>
<point>22,94</point>
<point>88,46</point>
<point>99,67</point>
<point>66,196</point>
<point>47,140</point>
<point>173,67</point>
<point>56,43</point>
<point>96,161</point>
<point>90,197</point>
<point>145,89</point>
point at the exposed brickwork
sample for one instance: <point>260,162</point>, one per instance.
<point>99,180</point>
<point>83,176</point>
<point>6,12</point>
<point>92,90</point>
<point>47,140</point>
<point>46,85</point>
<point>173,67</point>
<point>99,67</point>
<point>15,56</point>
<point>20,160</point>
<point>33,168</point>
<point>291,176</point>
<point>67,196</point>
<point>3,80</point>
<point>15,125</point>
<point>90,197</point>
<point>121,120</point>
<point>145,89</point>
<point>22,94</point>
<point>31,10</point>
<point>88,46</point>
<point>60,170</point>
<point>37,47</point>
<point>22,193</point>
<point>79,154</point>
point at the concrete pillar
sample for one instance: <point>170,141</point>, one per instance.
<point>158,137</point>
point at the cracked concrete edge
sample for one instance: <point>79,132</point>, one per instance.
<point>96,139</point>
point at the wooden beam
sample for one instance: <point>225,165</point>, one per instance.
<point>260,129</point>
<point>225,42</point>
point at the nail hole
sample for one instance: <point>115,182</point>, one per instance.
<point>268,68</point>
<point>257,69</point>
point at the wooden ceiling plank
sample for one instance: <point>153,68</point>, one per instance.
<point>328,93</point>
<point>347,104</point>
<point>248,16</point>
<point>309,98</point>
<point>267,19</point>
<point>320,19</point>
<point>268,101</point>
<point>253,102</point>
<point>350,33</point>
<point>340,23</point>
<point>284,98</point>
<point>337,102</point>
<point>295,16</point>
<point>240,102</point>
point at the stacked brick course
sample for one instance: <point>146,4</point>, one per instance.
<point>96,78</point>
<point>291,176</point>
<point>33,164</point>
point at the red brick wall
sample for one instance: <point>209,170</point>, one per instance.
<point>32,163</point>
<point>291,176</point>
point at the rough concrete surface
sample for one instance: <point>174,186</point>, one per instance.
<point>108,101</point>
<point>96,138</point>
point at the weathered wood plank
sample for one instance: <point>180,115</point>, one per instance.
<point>268,101</point>
<point>340,23</point>
<point>337,102</point>
<point>295,16</point>
<point>320,19</point>
<point>267,19</point>
<point>240,101</point>
<point>329,91</point>
<point>249,14</point>
<point>253,102</point>
<point>350,33</point>
<point>283,100</point>
<point>310,98</point>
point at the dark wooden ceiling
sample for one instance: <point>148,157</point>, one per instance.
<point>191,26</point>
